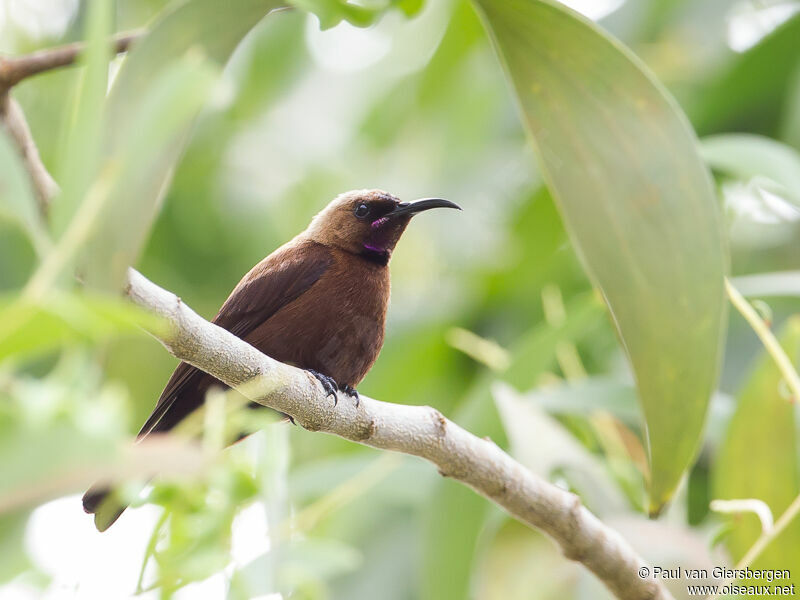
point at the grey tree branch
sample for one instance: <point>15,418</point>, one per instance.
<point>418,430</point>
<point>14,69</point>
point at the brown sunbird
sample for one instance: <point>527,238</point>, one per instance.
<point>318,302</point>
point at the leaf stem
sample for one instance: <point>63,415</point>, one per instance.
<point>767,338</point>
<point>44,186</point>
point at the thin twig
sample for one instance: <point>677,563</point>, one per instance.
<point>417,430</point>
<point>14,69</point>
<point>44,186</point>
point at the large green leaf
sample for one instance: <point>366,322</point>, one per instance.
<point>759,459</point>
<point>622,162</point>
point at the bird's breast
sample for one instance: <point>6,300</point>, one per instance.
<point>337,326</point>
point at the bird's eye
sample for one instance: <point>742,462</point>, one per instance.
<point>362,210</point>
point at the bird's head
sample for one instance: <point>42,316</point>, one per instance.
<point>368,222</point>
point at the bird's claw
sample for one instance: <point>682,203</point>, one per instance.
<point>352,392</point>
<point>328,384</point>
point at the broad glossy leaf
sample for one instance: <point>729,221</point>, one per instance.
<point>637,200</point>
<point>748,156</point>
<point>759,459</point>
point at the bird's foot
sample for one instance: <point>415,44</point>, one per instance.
<point>351,391</point>
<point>328,384</point>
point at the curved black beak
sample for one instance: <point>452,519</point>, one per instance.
<point>412,208</point>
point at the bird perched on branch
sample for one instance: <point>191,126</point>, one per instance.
<point>318,302</point>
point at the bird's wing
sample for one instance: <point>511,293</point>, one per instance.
<point>272,284</point>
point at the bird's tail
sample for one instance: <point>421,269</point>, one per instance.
<point>100,501</point>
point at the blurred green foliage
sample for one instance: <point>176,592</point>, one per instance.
<point>219,136</point>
